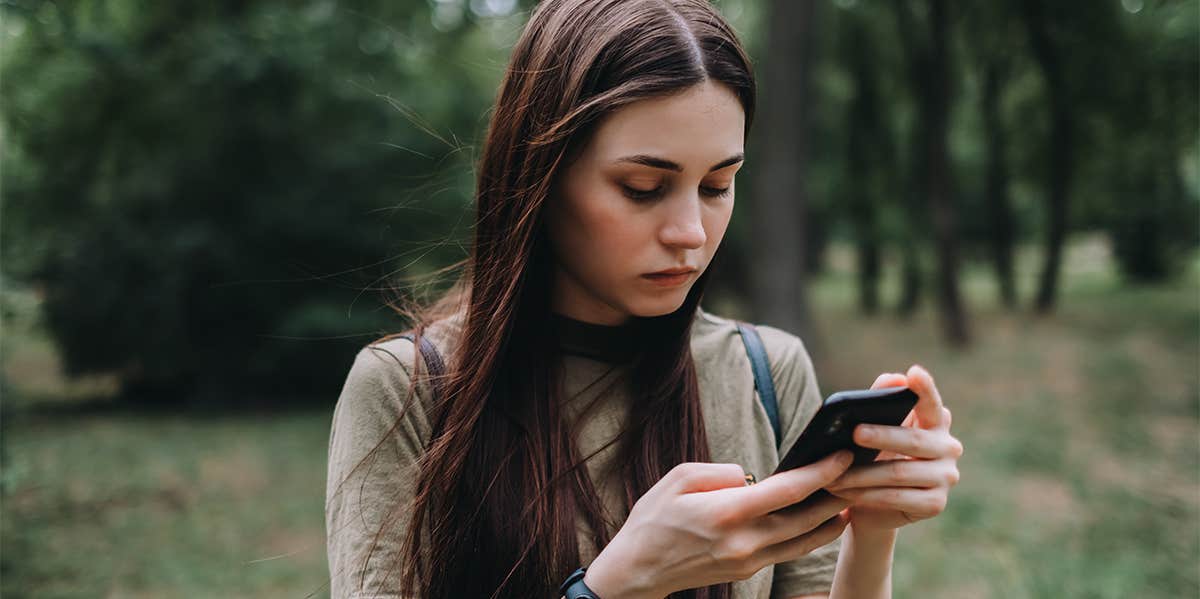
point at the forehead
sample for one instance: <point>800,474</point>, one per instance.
<point>696,127</point>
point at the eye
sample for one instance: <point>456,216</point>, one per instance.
<point>641,195</point>
<point>714,192</point>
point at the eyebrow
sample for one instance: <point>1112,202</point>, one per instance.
<point>656,162</point>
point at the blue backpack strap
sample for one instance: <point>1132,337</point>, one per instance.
<point>762,375</point>
<point>433,359</point>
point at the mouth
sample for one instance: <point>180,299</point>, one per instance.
<point>671,277</point>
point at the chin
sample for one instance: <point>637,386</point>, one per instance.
<point>659,306</point>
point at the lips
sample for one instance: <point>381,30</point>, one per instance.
<point>672,277</point>
<point>670,272</point>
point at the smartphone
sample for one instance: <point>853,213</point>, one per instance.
<point>832,428</point>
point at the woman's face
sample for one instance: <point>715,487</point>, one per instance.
<point>651,191</point>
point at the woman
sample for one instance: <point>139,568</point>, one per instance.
<point>591,413</point>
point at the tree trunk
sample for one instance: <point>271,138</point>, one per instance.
<point>929,75</point>
<point>916,59</point>
<point>863,126</point>
<point>778,212</point>
<point>911,279</point>
<point>936,112</point>
<point>996,191</point>
<point>1061,151</point>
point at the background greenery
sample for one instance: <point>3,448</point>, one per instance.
<point>208,206</point>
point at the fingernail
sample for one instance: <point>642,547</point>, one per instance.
<point>844,457</point>
<point>866,431</point>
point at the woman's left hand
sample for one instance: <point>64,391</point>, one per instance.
<point>910,480</point>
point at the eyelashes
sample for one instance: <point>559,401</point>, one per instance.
<point>640,195</point>
<point>715,192</point>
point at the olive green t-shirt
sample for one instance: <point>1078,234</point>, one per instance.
<point>736,424</point>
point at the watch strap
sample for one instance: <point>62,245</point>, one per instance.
<point>574,588</point>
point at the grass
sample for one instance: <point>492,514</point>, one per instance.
<point>1081,476</point>
<point>185,505</point>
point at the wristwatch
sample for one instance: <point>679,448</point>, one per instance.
<point>573,587</point>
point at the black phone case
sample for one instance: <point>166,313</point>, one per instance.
<point>832,427</point>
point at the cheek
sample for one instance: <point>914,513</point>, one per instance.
<point>597,233</point>
<point>600,219</point>
<point>601,216</point>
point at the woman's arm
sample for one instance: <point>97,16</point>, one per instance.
<point>373,449</point>
<point>865,565</point>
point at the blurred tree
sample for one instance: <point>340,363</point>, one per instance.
<point>206,192</point>
<point>868,153</point>
<point>1041,22</point>
<point>1154,220</point>
<point>197,187</point>
<point>995,74</point>
<point>915,66</point>
<point>990,30</point>
<point>779,211</point>
<point>930,76</point>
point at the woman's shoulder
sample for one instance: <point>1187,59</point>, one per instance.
<point>717,346</point>
<point>382,370</point>
<point>378,397</point>
<point>398,350</point>
<point>714,335</point>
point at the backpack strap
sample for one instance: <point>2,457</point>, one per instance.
<point>432,358</point>
<point>762,375</point>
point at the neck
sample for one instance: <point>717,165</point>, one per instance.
<point>569,298</point>
<point>603,342</point>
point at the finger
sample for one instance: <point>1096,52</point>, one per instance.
<point>889,379</point>
<point>804,544</point>
<point>790,487</point>
<point>915,503</point>
<point>909,422</point>
<point>914,442</point>
<point>929,401</point>
<point>793,521</point>
<point>694,477</point>
<point>923,474</point>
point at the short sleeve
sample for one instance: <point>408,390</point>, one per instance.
<point>799,397</point>
<point>374,445</point>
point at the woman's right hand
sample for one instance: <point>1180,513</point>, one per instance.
<point>701,525</point>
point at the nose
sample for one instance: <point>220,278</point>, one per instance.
<point>684,226</point>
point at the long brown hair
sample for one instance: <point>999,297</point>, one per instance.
<point>501,482</point>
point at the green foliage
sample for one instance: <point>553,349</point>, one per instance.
<point>1132,74</point>
<point>1144,134</point>
<point>213,196</point>
<point>205,191</point>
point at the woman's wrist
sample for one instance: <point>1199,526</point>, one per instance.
<point>880,538</point>
<point>613,575</point>
<point>864,566</point>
